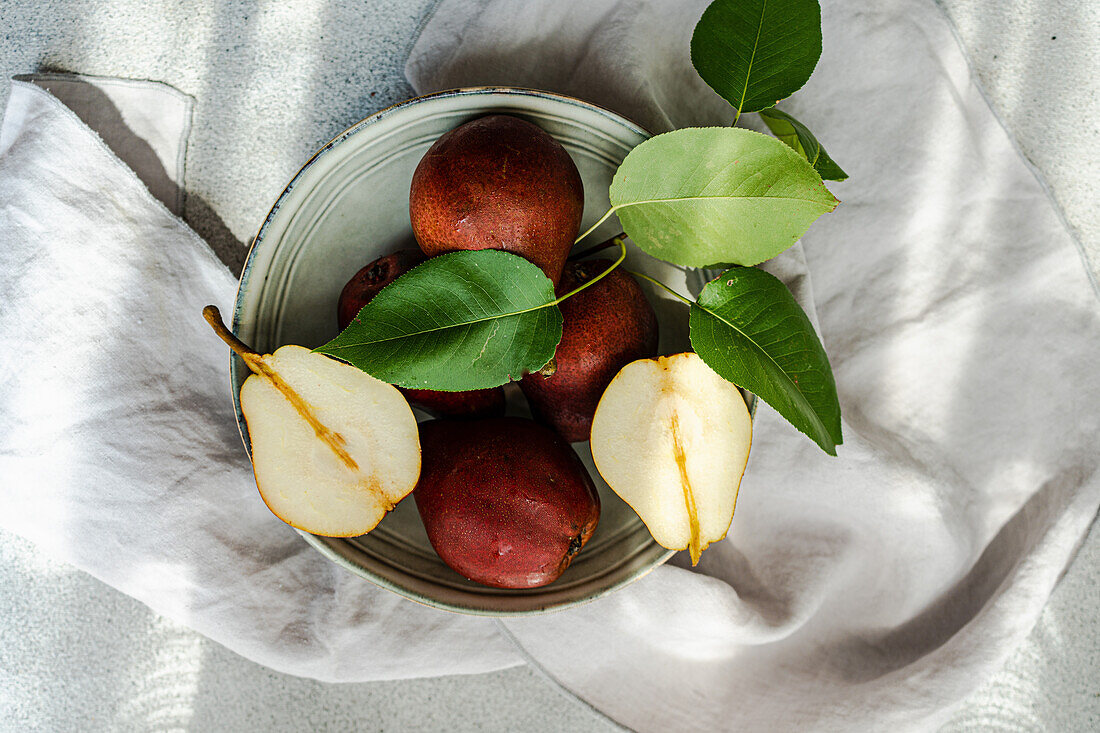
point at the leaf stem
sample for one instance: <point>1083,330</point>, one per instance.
<point>619,240</point>
<point>752,58</point>
<point>596,225</point>
<point>332,350</point>
<point>660,284</point>
<point>593,250</point>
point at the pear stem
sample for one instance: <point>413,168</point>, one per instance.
<point>593,228</point>
<point>255,362</point>
<point>214,317</point>
<point>598,248</point>
<point>660,284</point>
<point>619,240</point>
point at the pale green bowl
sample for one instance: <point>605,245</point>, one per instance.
<point>349,205</point>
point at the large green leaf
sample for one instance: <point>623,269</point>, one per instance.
<point>460,321</point>
<point>757,52</point>
<point>801,140</point>
<point>704,195</point>
<point>748,327</point>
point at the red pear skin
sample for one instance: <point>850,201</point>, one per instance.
<point>604,328</point>
<point>365,284</point>
<point>476,403</point>
<point>498,182</point>
<point>505,501</point>
<point>359,291</point>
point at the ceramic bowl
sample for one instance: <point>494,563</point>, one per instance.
<point>349,205</point>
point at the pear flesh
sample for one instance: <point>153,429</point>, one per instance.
<point>333,448</point>
<point>672,439</point>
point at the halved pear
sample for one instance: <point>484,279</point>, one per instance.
<point>672,439</point>
<point>333,448</point>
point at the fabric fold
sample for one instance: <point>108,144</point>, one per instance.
<point>874,590</point>
<point>118,445</point>
<point>877,589</point>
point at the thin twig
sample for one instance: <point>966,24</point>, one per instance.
<point>599,247</point>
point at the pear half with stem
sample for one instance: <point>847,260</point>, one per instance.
<point>333,448</point>
<point>672,439</point>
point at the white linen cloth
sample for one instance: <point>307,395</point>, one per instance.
<point>872,591</point>
<point>119,450</point>
<point>144,123</point>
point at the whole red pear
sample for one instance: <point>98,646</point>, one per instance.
<point>505,501</point>
<point>604,327</point>
<point>498,182</point>
<point>365,284</point>
<point>359,291</point>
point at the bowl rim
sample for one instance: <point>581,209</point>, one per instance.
<point>322,544</point>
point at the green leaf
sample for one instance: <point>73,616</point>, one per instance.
<point>460,321</point>
<point>757,52</point>
<point>703,195</point>
<point>801,140</point>
<point>748,327</point>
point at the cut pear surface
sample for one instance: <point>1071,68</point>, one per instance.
<point>333,448</point>
<point>672,439</point>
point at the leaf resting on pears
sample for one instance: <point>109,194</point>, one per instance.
<point>333,448</point>
<point>749,328</point>
<point>460,321</point>
<point>672,438</point>
<point>703,195</point>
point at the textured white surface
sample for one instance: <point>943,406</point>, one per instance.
<point>1038,62</point>
<point>273,81</point>
<point>75,654</point>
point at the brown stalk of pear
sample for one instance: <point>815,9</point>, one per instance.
<point>295,399</point>
<point>258,365</point>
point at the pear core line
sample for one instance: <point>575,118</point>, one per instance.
<point>259,366</point>
<point>689,494</point>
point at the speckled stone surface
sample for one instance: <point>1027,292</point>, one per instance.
<point>1037,61</point>
<point>272,82</point>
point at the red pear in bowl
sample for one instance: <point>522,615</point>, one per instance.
<point>498,182</point>
<point>359,291</point>
<point>505,501</point>
<point>604,327</point>
<point>365,284</point>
